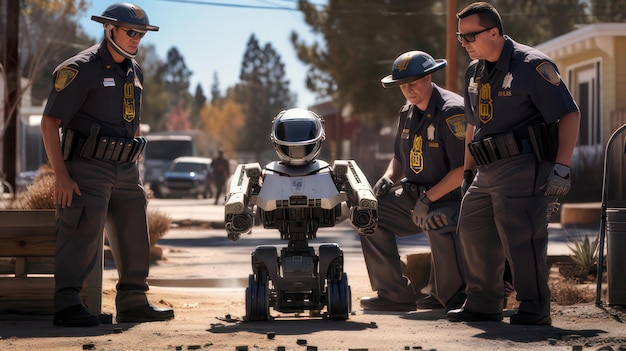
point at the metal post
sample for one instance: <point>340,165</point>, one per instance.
<point>11,106</point>
<point>605,182</point>
<point>451,47</point>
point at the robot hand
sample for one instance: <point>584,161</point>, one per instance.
<point>364,220</point>
<point>236,224</point>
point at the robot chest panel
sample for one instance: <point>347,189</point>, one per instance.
<point>316,190</point>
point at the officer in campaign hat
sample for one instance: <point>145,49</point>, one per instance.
<point>419,191</point>
<point>96,101</point>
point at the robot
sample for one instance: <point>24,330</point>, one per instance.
<point>298,195</point>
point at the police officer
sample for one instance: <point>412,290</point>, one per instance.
<point>419,191</point>
<point>96,100</point>
<point>518,157</point>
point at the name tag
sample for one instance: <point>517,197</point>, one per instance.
<point>405,133</point>
<point>108,82</point>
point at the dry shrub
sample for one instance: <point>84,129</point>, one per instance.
<point>38,195</point>
<point>566,292</point>
<point>158,225</point>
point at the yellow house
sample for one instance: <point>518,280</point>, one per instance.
<point>592,62</point>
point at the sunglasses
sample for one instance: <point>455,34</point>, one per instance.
<point>470,37</point>
<point>133,33</point>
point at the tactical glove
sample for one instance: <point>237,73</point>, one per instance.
<point>420,211</point>
<point>382,186</point>
<point>559,181</point>
<point>468,177</point>
<point>441,220</point>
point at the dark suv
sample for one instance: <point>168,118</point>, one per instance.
<point>187,176</point>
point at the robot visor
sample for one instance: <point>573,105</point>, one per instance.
<point>303,130</point>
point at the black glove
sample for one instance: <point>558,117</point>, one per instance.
<point>468,178</point>
<point>420,211</point>
<point>559,181</point>
<point>382,186</point>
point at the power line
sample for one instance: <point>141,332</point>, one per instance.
<point>221,4</point>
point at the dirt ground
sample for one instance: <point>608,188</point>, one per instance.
<point>202,277</point>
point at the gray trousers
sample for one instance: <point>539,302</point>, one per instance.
<point>503,216</point>
<point>382,259</point>
<point>112,194</point>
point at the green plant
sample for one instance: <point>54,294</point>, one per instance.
<point>585,254</point>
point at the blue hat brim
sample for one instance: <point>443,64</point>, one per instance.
<point>389,82</point>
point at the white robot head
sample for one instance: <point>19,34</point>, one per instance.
<point>297,135</point>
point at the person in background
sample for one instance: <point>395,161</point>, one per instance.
<point>419,191</point>
<point>522,126</point>
<point>96,101</point>
<point>221,172</point>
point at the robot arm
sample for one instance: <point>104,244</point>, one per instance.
<point>240,199</point>
<point>361,198</point>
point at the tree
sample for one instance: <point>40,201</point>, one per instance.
<point>263,92</point>
<point>216,95</point>
<point>359,39</point>
<point>155,99</point>
<point>199,100</point>
<point>608,10</point>
<point>223,121</point>
<point>177,77</point>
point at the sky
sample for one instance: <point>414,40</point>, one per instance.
<point>211,35</point>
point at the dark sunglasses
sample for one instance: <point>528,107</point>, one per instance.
<point>132,33</point>
<point>470,37</point>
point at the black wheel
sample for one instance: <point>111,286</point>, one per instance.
<point>339,298</point>
<point>257,298</point>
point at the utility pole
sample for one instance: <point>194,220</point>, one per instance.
<point>451,47</point>
<point>11,106</point>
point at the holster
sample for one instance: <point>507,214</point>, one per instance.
<point>544,139</point>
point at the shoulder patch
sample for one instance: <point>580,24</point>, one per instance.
<point>64,77</point>
<point>457,124</point>
<point>547,71</point>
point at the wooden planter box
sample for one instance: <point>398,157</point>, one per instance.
<point>27,249</point>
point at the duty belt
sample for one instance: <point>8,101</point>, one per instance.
<point>102,147</point>
<point>498,147</point>
<point>454,195</point>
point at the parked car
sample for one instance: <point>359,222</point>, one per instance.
<point>187,176</point>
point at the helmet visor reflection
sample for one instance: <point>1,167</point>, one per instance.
<point>295,131</point>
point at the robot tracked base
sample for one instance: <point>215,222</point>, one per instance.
<point>291,283</point>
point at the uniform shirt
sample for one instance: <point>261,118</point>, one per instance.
<point>431,143</point>
<point>92,88</point>
<point>524,87</point>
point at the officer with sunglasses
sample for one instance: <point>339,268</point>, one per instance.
<point>522,126</point>
<point>96,101</point>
